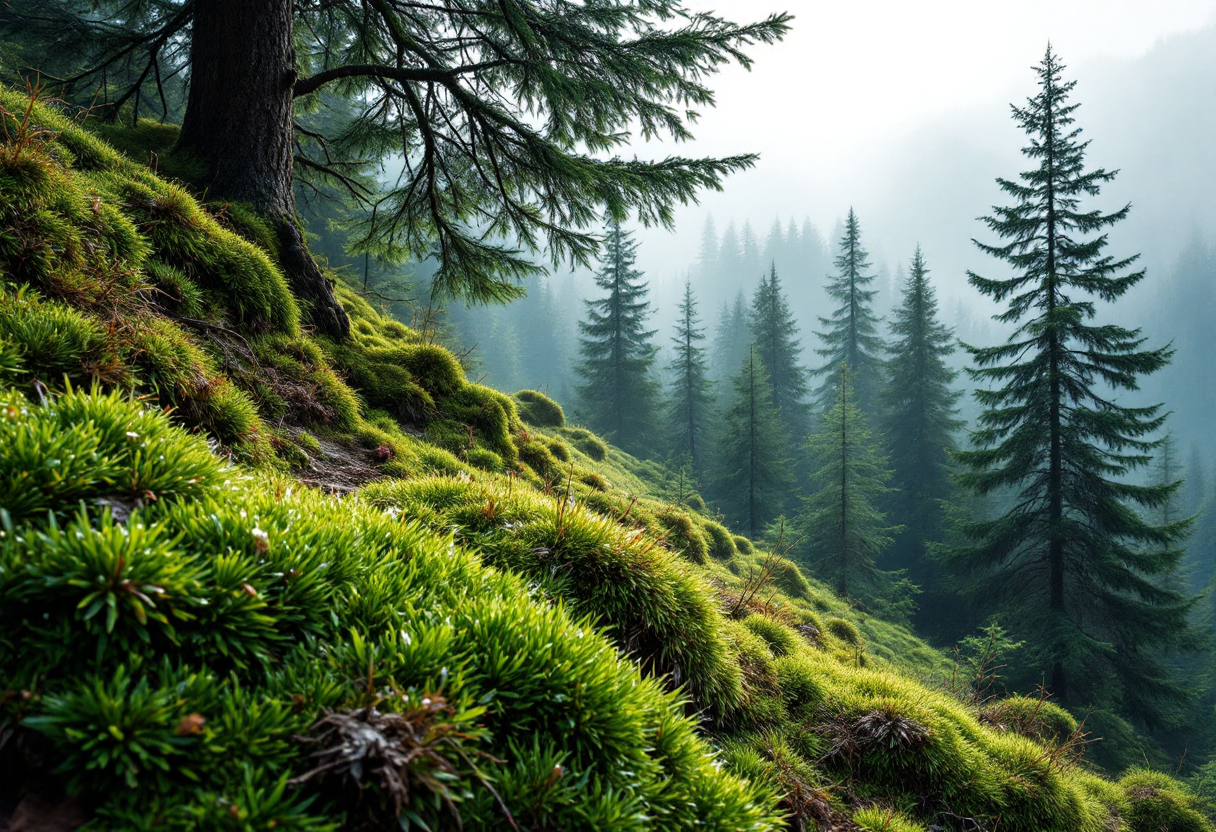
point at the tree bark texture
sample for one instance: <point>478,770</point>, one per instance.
<point>239,122</point>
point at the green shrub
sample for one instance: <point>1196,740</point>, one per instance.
<point>539,410</point>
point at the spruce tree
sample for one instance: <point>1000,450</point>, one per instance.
<point>775,335</point>
<point>691,405</point>
<point>844,533</point>
<point>1072,562</point>
<point>732,340</point>
<point>753,472</point>
<point>850,335</point>
<point>920,419</point>
<point>619,394</point>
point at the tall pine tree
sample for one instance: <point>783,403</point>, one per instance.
<point>691,404</point>
<point>619,396</point>
<point>920,419</point>
<point>1072,562</point>
<point>732,340</point>
<point>850,335</point>
<point>775,335</point>
<point>753,473</point>
<point>844,532</point>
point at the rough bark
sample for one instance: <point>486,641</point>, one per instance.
<point>239,122</point>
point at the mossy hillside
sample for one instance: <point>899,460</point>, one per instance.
<point>191,636</point>
<point>771,667</point>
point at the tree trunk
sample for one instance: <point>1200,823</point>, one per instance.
<point>239,122</point>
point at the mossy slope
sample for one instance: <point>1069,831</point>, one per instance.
<point>174,616</point>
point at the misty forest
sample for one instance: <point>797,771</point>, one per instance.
<point>408,422</point>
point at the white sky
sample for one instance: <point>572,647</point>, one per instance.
<point>855,77</point>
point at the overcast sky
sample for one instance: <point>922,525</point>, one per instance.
<point>855,79</point>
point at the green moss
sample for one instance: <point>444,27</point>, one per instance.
<point>721,543</point>
<point>844,630</point>
<point>789,579</point>
<point>743,545</point>
<point>1031,717</point>
<point>875,819</point>
<point>682,535</point>
<point>780,638</point>
<point>1158,803</point>
<point>586,442</point>
<point>538,409</point>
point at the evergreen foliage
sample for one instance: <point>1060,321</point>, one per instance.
<point>732,341</point>
<point>920,419</point>
<point>1078,570</point>
<point>618,396</point>
<point>753,477</point>
<point>844,531</point>
<point>775,334</point>
<point>850,334</point>
<point>424,85</point>
<point>691,404</point>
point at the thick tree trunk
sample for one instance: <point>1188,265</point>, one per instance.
<point>239,119</point>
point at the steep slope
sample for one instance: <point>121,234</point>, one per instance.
<point>501,623</point>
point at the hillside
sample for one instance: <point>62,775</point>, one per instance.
<point>256,579</point>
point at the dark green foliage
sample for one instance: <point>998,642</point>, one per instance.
<point>775,335</point>
<point>753,475</point>
<point>844,532</point>
<point>850,335</point>
<point>1077,568</point>
<point>618,396</point>
<point>732,340</point>
<point>173,651</point>
<point>690,408</point>
<point>539,410</point>
<point>920,421</point>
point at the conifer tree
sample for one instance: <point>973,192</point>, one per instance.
<point>775,335</point>
<point>920,418</point>
<point>850,335</point>
<point>732,340</point>
<point>691,405</point>
<point>753,473</point>
<point>619,394</point>
<point>1072,561</point>
<point>844,531</point>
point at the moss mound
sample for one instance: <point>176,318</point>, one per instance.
<point>183,654</point>
<point>538,409</point>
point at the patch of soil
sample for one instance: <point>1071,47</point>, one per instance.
<point>338,469</point>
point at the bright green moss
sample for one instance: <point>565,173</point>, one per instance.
<point>721,543</point>
<point>539,410</point>
<point>1031,717</point>
<point>586,442</point>
<point>1156,801</point>
<point>682,534</point>
<point>54,342</point>
<point>780,638</point>
<point>743,545</point>
<point>875,819</point>
<point>789,579</point>
<point>843,630</point>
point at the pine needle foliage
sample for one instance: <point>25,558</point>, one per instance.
<point>691,405</point>
<point>509,114</point>
<point>1072,561</point>
<point>753,471</point>
<point>920,417</point>
<point>775,334</point>
<point>845,532</point>
<point>850,334</point>
<point>732,341</point>
<point>619,395</point>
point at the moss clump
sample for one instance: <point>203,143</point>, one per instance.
<point>790,580</point>
<point>52,342</point>
<point>780,638</point>
<point>682,535</point>
<point>657,611</point>
<point>721,542</point>
<point>586,442</point>
<point>539,410</point>
<point>1031,717</point>
<point>1157,802</point>
<point>845,631</point>
<point>876,819</point>
<point>743,545</point>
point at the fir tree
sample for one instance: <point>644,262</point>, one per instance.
<point>1071,561</point>
<point>753,472</point>
<point>692,398</point>
<point>844,531</point>
<point>775,335</point>
<point>920,419</point>
<point>850,335</point>
<point>619,394</point>
<point>732,339</point>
